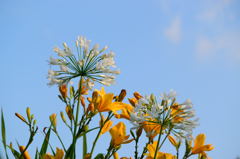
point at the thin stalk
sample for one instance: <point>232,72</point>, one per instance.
<point>60,141</point>
<point>145,149</point>
<point>159,138</point>
<point>99,133</point>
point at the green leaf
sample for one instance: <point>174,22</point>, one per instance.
<point>45,143</point>
<point>84,144</point>
<point>99,156</point>
<point>36,154</point>
<point>3,133</point>
<point>15,153</point>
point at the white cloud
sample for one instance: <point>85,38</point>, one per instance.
<point>215,9</point>
<point>173,32</point>
<point>226,45</point>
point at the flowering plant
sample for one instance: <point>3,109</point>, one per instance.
<point>159,118</point>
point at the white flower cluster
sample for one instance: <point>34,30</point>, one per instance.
<point>91,64</point>
<point>169,114</point>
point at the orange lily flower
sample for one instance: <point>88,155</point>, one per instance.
<point>199,147</point>
<point>125,112</point>
<point>160,155</point>
<point>106,126</point>
<point>118,133</point>
<point>59,155</point>
<point>151,129</point>
<point>103,101</point>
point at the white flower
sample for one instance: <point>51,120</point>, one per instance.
<point>53,61</point>
<point>63,68</point>
<point>87,64</point>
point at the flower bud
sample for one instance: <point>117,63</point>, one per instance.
<point>63,117</point>
<point>69,112</point>
<point>137,95</point>
<point>21,118</point>
<point>63,90</point>
<point>28,114</point>
<point>53,119</point>
<point>133,101</point>
<point>94,96</point>
<point>122,95</point>
<point>90,107</point>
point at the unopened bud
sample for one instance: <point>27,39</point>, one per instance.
<point>133,101</point>
<point>139,131</point>
<point>90,107</point>
<point>63,117</point>
<point>82,99</point>
<point>69,112</point>
<point>152,97</point>
<point>63,90</point>
<point>28,114</point>
<point>53,119</point>
<point>85,128</point>
<point>21,118</point>
<point>137,95</point>
<point>122,95</point>
<point>34,122</point>
<point>94,96</point>
<point>32,116</point>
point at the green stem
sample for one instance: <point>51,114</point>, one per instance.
<point>159,138</point>
<point>99,132</point>
<point>136,147</point>
<point>60,141</point>
<point>145,149</point>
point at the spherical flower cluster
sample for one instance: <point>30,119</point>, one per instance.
<point>91,64</point>
<point>171,116</point>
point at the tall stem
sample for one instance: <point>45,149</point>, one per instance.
<point>158,142</point>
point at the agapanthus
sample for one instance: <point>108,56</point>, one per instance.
<point>93,65</point>
<point>170,115</point>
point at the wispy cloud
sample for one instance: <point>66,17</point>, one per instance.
<point>173,32</point>
<point>222,37</point>
<point>226,45</point>
<point>213,10</point>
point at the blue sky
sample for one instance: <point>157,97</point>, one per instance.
<point>189,46</point>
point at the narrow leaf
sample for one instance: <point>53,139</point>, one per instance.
<point>84,144</point>
<point>45,143</point>
<point>3,133</point>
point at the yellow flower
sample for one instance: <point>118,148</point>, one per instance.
<point>53,119</point>
<point>106,126</point>
<point>59,155</point>
<point>118,133</point>
<point>115,156</point>
<point>103,102</point>
<point>199,146</point>
<point>160,155</point>
<point>125,112</point>
<point>151,129</point>
<point>25,154</point>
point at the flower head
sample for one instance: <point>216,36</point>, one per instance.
<point>92,64</point>
<point>103,102</point>
<point>160,155</point>
<point>199,147</point>
<point>171,116</point>
<point>118,133</point>
<point>59,155</point>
